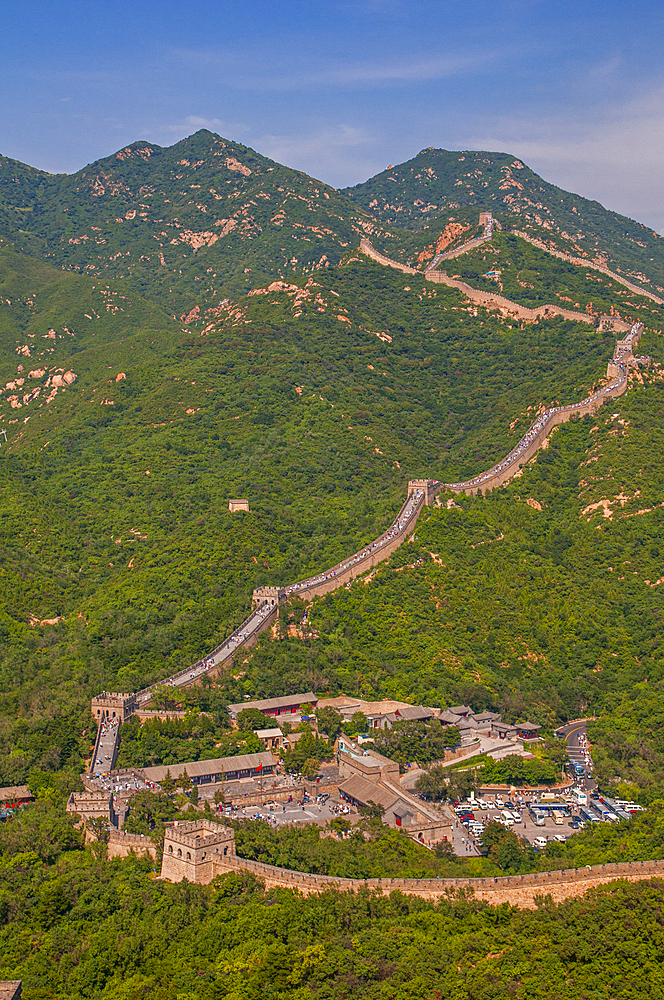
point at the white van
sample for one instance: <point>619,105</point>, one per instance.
<point>516,817</point>
<point>540,843</point>
<point>507,816</point>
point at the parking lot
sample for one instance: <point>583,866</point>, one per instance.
<point>468,834</point>
<point>282,813</point>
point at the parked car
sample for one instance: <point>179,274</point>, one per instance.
<point>540,843</point>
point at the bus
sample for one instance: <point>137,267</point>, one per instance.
<point>538,815</point>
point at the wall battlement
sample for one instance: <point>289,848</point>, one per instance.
<point>523,891</point>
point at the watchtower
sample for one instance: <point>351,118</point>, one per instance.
<point>11,990</point>
<point>191,850</point>
<point>235,505</point>
<point>113,705</point>
<point>426,485</point>
<point>273,595</point>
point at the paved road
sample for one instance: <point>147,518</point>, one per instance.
<point>575,736</point>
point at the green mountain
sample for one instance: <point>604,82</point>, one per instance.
<point>183,326</point>
<point>182,222</point>
<point>138,397</point>
<point>207,217</point>
<point>438,187</point>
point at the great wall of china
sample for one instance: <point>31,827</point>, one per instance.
<point>517,890</point>
<point>266,600</point>
<point>523,891</point>
<point>202,850</point>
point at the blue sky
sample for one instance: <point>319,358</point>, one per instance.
<point>343,88</point>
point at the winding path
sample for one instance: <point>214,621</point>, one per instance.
<point>420,492</point>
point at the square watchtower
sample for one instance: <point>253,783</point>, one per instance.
<point>192,849</point>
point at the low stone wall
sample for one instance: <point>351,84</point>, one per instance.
<point>461,752</point>
<point>281,795</point>
<point>121,844</point>
<point>164,715</point>
<point>370,251</point>
<point>518,890</point>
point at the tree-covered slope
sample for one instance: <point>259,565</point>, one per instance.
<point>530,276</point>
<point>542,599</point>
<point>316,400</point>
<point>89,930</point>
<point>437,186</point>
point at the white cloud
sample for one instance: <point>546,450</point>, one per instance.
<point>613,154</point>
<point>198,122</point>
<point>192,123</point>
<point>260,71</point>
<point>336,154</point>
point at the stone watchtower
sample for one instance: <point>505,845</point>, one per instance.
<point>426,485</point>
<point>192,851</point>
<point>113,705</point>
<point>273,595</point>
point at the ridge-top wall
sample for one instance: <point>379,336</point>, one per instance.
<point>517,890</point>
<point>562,416</point>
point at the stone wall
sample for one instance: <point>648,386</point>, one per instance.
<point>582,262</point>
<point>162,714</point>
<point>361,566</point>
<point>461,752</point>
<point>564,414</point>
<point>518,890</point>
<point>489,300</point>
<point>122,844</point>
<point>280,794</point>
<point>368,249</point>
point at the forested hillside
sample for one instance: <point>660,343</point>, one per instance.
<point>541,599</point>
<point>183,326</point>
<point>183,224</point>
<point>94,930</point>
<point>316,401</point>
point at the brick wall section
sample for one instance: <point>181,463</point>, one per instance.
<point>489,300</point>
<point>582,262</point>
<point>370,251</point>
<point>121,845</point>
<point>361,566</point>
<point>518,890</point>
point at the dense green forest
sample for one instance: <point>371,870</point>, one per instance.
<point>86,928</point>
<point>530,276</point>
<point>152,370</point>
<point>73,924</point>
<point>113,496</point>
